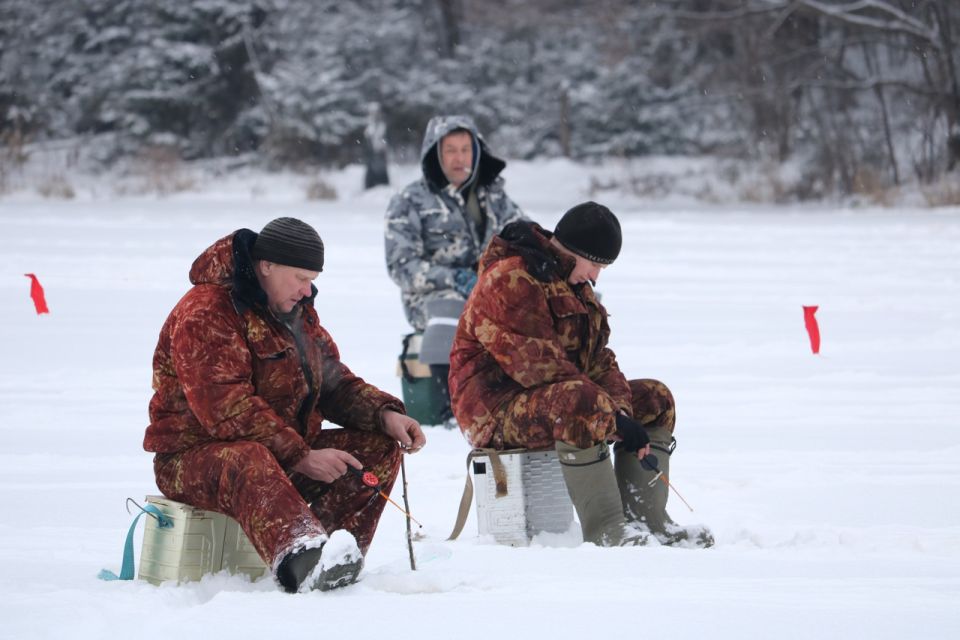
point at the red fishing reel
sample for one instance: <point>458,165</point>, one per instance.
<point>368,478</point>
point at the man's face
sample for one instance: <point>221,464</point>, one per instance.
<point>585,270</point>
<point>456,157</point>
<point>285,286</point>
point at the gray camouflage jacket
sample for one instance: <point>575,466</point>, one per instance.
<point>428,232</point>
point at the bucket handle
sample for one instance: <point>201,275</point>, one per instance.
<point>403,359</point>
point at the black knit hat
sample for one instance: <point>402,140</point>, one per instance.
<point>290,242</point>
<point>592,231</point>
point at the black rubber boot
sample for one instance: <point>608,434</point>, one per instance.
<point>296,567</point>
<point>336,563</point>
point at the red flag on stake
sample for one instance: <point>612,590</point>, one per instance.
<point>813,330</point>
<point>36,292</point>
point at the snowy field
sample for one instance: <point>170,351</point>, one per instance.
<point>832,482</point>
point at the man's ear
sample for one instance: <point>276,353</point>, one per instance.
<point>264,267</point>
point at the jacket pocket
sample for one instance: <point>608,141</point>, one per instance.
<point>277,376</point>
<point>271,347</point>
<point>569,318</point>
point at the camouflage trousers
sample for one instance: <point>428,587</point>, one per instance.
<point>243,480</point>
<point>573,412</point>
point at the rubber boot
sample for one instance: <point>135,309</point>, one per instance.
<point>593,491</point>
<point>335,563</point>
<point>296,566</point>
<point>644,495</point>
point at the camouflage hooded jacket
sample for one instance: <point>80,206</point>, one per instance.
<point>525,326</point>
<point>225,368</point>
<point>428,233</point>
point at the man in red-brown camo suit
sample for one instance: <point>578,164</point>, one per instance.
<point>243,376</point>
<point>530,368</point>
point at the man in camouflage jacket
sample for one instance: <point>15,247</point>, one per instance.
<point>244,376</point>
<point>437,227</point>
<point>530,368</point>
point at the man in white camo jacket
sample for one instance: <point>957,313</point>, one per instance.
<point>437,226</point>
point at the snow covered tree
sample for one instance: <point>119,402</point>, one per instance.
<point>844,87</point>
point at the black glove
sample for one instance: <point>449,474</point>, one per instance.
<point>634,437</point>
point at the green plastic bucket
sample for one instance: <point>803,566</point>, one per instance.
<point>422,395</point>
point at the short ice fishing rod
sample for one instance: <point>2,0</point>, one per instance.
<point>370,479</point>
<point>650,463</point>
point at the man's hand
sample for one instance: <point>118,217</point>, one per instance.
<point>404,430</point>
<point>326,465</point>
<point>464,280</point>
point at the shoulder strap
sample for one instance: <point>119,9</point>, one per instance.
<point>404,369</point>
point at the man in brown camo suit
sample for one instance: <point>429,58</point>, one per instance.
<point>243,376</point>
<point>530,368</point>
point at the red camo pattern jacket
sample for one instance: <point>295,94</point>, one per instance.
<point>225,368</point>
<point>525,326</point>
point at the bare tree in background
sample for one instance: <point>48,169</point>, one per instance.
<point>925,30</point>
<point>857,83</point>
<point>375,148</point>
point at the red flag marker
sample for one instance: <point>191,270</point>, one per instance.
<point>36,292</point>
<point>813,329</point>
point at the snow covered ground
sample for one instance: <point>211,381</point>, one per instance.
<point>831,481</point>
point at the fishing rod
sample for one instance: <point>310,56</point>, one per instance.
<point>370,479</point>
<point>650,463</point>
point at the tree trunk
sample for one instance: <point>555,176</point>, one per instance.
<point>375,148</point>
<point>874,70</point>
<point>887,135</point>
<point>564,132</point>
<point>450,19</point>
<point>952,103</point>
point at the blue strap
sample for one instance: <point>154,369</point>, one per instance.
<point>126,571</point>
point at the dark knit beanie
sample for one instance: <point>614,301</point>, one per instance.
<point>290,242</point>
<point>592,231</point>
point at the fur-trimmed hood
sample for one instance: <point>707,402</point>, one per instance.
<point>531,242</point>
<point>486,166</point>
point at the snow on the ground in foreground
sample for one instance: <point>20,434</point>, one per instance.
<point>831,481</point>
